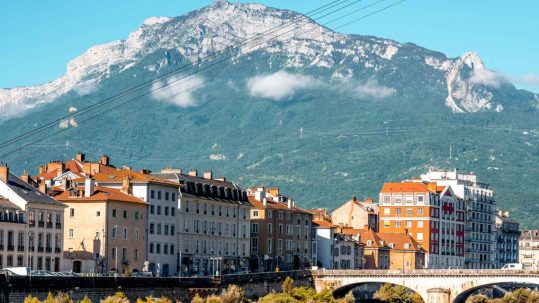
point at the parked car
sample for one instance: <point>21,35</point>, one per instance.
<point>512,266</point>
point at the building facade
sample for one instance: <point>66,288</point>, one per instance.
<point>14,250</point>
<point>528,245</point>
<point>433,215</point>
<point>376,250</point>
<point>480,206</point>
<point>280,232</point>
<point>507,236</point>
<point>162,199</point>
<point>356,214</point>
<point>43,239</point>
<point>405,253</point>
<point>213,223</point>
<point>105,230</point>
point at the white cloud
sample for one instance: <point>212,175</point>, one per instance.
<point>528,79</point>
<point>178,90</point>
<point>487,77</point>
<point>280,85</point>
<point>85,87</point>
<point>372,89</point>
<point>218,157</point>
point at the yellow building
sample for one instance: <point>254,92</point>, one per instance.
<point>405,252</point>
<point>105,229</point>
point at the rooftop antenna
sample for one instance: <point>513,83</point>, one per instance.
<point>301,132</point>
<point>450,151</point>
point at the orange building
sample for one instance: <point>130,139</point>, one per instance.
<point>405,252</point>
<point>376,250</point>
<point>432,214</point>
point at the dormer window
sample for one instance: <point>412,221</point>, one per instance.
<point>406,245</point>
<point>392,245</point>
<point>369,243</point>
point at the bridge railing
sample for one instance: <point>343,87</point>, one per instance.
<point>419,272</point>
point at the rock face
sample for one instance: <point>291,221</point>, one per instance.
<point>298,38</point>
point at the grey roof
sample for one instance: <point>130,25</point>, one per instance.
<point>6,204</point>
<point>29,193</point>
<point>530,235</point>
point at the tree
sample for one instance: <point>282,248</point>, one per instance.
<point>349,298</point>
<point>288,286</point>
<point>31,299</point>
<point>118,297</point>
<point>477,299</point>
<point>197,299</point>
<point>397,294</point>
<point>278,298</point>
<point>233,294</point>
<point>85,300</point>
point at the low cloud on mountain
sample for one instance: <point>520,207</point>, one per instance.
<point>280,85</point>
<point>178,90</point>
<point>373,89</point>
<point>487,77</point>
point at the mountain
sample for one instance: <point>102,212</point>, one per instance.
<point>321,114</point>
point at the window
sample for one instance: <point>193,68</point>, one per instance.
<point>124,253</point>
<point>398,199</point>
<point>125,214</point>
<point>98,214</point>
<point>254,245</point>
<point>158,209</point>
<point>136,215</point>
<point>255,213</point>
<point>151,248</point>
<point>158,197</point>
<point>420,199</point>
<point>173,197</point>
<point>135,254</point>
<point>172,230</point>
<point>408,224</point>
<point>270,228</point>
<point>151,209</point>
<point>419,224</point>
<point>71,233</point>
<point>173,211</point>
<point>114,231</point>
<point>270,248</point>
<point>166,229</point>
<point>137,234</point>
<point>409,199</point>
<point>171,249</point>
<point>152,194</point>
<point>287,216</point>
<point>408,211</point>
<point>113,253</point>
<point>289,229</point>
<point>71,212</point>
<point>270,214</point>
<point>166,210</point>
<point>165,249</point>
<point>420,211</point>
<point>387,199</point>
<point>158,228</point>
<point>386,223</point>
<point>280,215</point>
<point>125,233</point>
<point>254,228</point>
<point>280,246</point>
<point>158,248</point>
<point>387,211</point>
<point>397,223</point>
<point>419,236</point>
<point>397,211</point>
<point>114,213</point>
<point>166,196</point>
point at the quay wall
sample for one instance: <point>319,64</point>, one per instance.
<point>16,288</point>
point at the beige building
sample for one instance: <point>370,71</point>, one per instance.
<point>42,242</point>
<point>213,223</point>
<point>528,249</point>
<point>356,214</point>
<point>105,229</point>
<point>13,231</point>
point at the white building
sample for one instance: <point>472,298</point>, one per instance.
<point>529,249</point>
<point>162,197</point>
<point>40,245</point>
<point>325,234</point>
<point>480,206</point>
<point>213,223</point>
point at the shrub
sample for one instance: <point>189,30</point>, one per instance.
<point>197,299</point>
<point>85,300</point>
<point>349,298</point>
<point>304,294</point>
<point>278,298</point>
<point>288,286</point>
<point>118,297</point>
<point>233,294</point>
<point>63,297</point>
<point>397,294</point>
<point>213,299</point>
<point>31,299</point>
<point>477,299</point>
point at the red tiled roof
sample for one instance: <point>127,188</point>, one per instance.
<point>323,223</point>
<point>406,187</point>
<point>100,194</point>
<point>117,176</point>
<point>399,240</point>
<point>275,205</point>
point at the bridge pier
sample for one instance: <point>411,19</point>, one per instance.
<point>437,295</point>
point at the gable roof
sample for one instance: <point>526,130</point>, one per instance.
<point>373,237</point>
<point>29,193</point>
<point>101,194</point>
<point>400,240</point>
<point>117,176</point>
<point>323,223</point>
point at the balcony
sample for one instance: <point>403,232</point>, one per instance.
<point>58,225</point>
<point>2,247</point>
<point>40,249</point>
<point>48,249</point>
<point>10,247</point>
<point>49,224</point>
<point>32,223</point>
<point>41,224</point>
<point>20,248</point>
<point>57,250</point>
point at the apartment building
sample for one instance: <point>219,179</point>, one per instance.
<point>280,231</point>
<point>105,229</point>
<point>325,235</point>
<point>405,253</point>
<point>432,214</point>
<point>528,249</point>
<point>507,236</point>
<point>480,207</point>
<point>162,199</point>
<point>356,214</point>
<point>213,223</point>
<point>376,251</point>
<point>42,240</point>
<point>13,232</point>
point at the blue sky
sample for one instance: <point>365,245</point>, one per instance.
<point>38,38</point>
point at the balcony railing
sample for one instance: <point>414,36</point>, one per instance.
<point>32,223</point>
<point>58,225</point>
<point>49,224</point>
<point>41,224</point>
<point>20,248</point>
<point>10,247</point>
<point>40,249</point>
<point>57,250</point>
<point>48,249</point>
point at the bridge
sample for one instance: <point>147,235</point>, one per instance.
<point>434,286</point>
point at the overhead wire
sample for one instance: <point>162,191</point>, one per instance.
<point>191,88</point>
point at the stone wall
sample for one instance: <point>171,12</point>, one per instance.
<point>16,288</point>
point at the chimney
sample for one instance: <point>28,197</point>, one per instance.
<point>208,174</point>
<point>368,200</point>
<point>265,202</point>
<point>4,173</point>
<point>43,187</point>
<point>222,179</point>
<point>506,214</point>
<point>432,186</point>
<point>126,184</point>
<point>354,198</point>
<point>289,203</point>
<point>367,227</point>
<point>145,171</point>
<point>260,194</point>
<point>125,167</point>
<point>80,157</point>
<point>104,160</point>
<point>88,187</point>
<point>41,169</point>
<point>193,173</point>
<point>25,177</point>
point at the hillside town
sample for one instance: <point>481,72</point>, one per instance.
<point>90,217</point>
